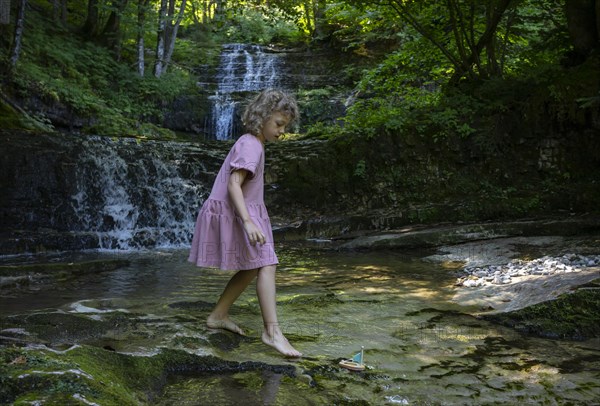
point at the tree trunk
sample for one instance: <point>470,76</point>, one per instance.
<point>205,11</point>
<point>16,51</point>
<point>4,12</point>
<point>469,50</point>
<point>142,8</point>
<point>490,49</point>
<point>210,11</point>
<point>111,35</point>
<point>320,22</point>
<point>90,27</point>
<point>220,7</point>
<point>309,17</point>
<point>56,7</point>
<point>160,41</point>
<point>63,15</point>
<point>173,35</point>
<point>598,19</point>
<point>169,25</point>
<point>194,13</point>
<point>495,13</point>
<point>583,17</point>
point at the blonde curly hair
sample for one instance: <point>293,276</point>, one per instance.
<point>265,104</point>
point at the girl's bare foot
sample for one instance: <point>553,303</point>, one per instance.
<point>274,337</point>
<point>224,323</point>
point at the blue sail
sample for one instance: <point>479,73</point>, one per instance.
<point>358,358</point>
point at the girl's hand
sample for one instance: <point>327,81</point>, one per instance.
<point>254,233</point>
<point>234,188</point>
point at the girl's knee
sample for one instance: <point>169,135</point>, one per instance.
<point>268,269</point>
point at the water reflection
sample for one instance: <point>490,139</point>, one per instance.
<point>421,347</point>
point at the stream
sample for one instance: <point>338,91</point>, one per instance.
<point>419,346</point>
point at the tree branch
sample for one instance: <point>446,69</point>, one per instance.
<point>403,12</point>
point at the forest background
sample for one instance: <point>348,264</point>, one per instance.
<point>482,80</point>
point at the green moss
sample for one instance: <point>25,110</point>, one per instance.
<point>572,316</point>
<point>31,374</point>
<point>127,377</point>
<point>9,119</point>
<point>309,300</point>
<point>106,377</point>
<point>250,380</point>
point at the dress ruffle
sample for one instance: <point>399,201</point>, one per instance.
<point>220,240</point>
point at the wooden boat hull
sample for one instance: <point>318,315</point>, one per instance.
<point>352,365</point>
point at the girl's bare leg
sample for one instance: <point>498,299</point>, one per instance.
<point>219,318</point>
<point>272,334</point>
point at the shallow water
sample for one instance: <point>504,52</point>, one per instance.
<point>420,347</point>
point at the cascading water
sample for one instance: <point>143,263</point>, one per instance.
<point>243,68</point>
<point>135,195</point>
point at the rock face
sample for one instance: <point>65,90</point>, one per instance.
<point>245,69</point>
<point>95,192</point>
<point>543,286</point>
<point>212,109</point>
<point>572,316</point>
<point>71,192</point>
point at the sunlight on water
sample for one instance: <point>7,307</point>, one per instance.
<point>420,348</point>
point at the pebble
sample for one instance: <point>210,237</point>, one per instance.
<point>504,274</point>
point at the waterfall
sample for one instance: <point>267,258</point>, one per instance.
<point>135,195</point>
<point>242,68</point>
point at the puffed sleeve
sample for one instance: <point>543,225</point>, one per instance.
<point>246,154</point>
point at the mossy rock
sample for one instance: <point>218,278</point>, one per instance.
<point>63,328</point>
<point>309,300</point>
<point>104,377</point>
<point>572,316</point>
<point>12,119</point>
<point>100,265</point>
<point>9,118</point>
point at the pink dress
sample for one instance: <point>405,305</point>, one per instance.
<point>219,238</point>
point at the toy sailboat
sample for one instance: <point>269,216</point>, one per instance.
<point>356,363</point>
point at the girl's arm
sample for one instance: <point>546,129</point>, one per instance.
<point>234,187</point>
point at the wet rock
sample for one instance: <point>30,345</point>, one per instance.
<point>311,300</point>
<point>226,341</point>
<point>83,373</point>
<point>197,305</point>
<point>458,234</point>
<point>60,328</point>
<point>572,316</point>
<point>78,267</point>
<point>41,241</point>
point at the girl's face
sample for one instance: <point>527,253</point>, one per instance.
<point>274,127</point>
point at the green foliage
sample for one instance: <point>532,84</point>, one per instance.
<point>408,91</point>
<point>261,26</point>
<point>361,169</point>
<point>186,55</point>
<point>323,130</point>
<point>357,27</point>
<point>314,102</point>
<point>411,91</point>
<point>537,38</point>
<point>401,99</point>
<point>85,79</point>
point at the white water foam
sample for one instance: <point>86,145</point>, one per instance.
<point>242,68</point>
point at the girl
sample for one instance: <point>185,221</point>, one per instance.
<point>233,230</point>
